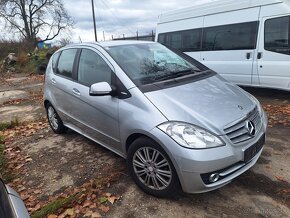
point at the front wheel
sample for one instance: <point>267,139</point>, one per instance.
<point>152,169</point>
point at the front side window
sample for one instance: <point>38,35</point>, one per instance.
<point>66,62</point>
<point>93,69</point>
<point>230,37</point>
<point>148,63</point>
<point>277,33</point>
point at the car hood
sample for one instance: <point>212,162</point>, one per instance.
<point>211,103</point>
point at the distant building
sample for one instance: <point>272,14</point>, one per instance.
<point>43,45</point>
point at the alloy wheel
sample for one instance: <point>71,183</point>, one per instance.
<point>52,117</point>
<point>152,168</point>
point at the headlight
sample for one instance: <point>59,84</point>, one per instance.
<point>190,136</point>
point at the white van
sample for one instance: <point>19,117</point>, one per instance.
<point>246,41</point>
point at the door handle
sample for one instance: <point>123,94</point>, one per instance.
<point>53,81</point>
<point>248,55</point>
<point>76,92</point>
<point>260,55</point>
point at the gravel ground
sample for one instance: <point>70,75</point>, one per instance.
<point>69,160</point>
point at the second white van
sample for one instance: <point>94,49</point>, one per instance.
<point>246,41</point>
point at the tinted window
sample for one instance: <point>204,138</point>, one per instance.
<point>66,62</point>
<point>277,35</point>
<point>187,40</point>
<point>54,61</point>
<point>93,69</point>
<point>230,37</point>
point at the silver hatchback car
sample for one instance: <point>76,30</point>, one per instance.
<point>176,122</point>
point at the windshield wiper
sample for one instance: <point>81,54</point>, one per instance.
<point>173,75</point>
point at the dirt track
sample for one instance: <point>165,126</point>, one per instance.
<point>58,162</point>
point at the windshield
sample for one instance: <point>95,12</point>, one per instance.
<point>151,62</point>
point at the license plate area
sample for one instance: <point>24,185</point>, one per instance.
<point>250,152</point>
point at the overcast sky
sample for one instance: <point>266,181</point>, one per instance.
<point>118,17</point>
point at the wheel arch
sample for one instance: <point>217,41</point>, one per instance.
<point>46,102</point>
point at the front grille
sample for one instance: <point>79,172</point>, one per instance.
<point>238,132</point>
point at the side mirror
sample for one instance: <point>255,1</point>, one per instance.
<point>100,89</point>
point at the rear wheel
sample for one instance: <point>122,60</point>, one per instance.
<point>54,120</point>
<point>152,169</point>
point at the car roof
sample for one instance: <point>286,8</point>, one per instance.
<point>105,44</point>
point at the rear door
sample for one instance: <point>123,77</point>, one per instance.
<point>229,44</point>
<point>61,83</point>
<point>273,58</point>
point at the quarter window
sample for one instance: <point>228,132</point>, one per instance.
<point>93,69</point>
<point>230,37</point>
<point>66,62</point>
<point>277,33</point>
<point>54,61</point>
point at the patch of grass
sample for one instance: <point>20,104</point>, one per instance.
<point>53,207</point>
<point>5,174</point>
<point>3,162</point>
<point>4,126</point>
<point>9,125</point>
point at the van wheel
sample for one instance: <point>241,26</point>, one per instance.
<point>152,169</point>
<point>54,120</point>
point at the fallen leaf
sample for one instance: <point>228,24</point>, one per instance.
<point>37,191</point>
<point>108,194</point>
<point>104,208</point>
<point>87,203</point>
<point>70,211</point>
<point>103,200</point>
<point>96,215</point>
<point>19,166</point>
<point>28,159</point>
<point>52,216</point>
<point>281,178</point>
<point>112,199</point>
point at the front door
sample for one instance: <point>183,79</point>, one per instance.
<point>97,116</point>
<point>273,58</point>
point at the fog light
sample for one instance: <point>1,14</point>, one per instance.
<point>214,177</point>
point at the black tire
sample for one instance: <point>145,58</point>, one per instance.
<point>140,146</point>
<point>54,120</point>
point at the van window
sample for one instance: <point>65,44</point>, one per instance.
<point>277,33</point>
<point>230,37</point>
<point>186,41</point>
<point>93,69</point>
<point>66,62</point>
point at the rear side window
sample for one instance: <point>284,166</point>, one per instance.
<point>277,33</point>
<point>66,62</point>
<point>186,41</point>
<point>54,61</point>
<point>93,69</point>
<point>230,37</point>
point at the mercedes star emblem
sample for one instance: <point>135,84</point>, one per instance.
<point>250,128</point>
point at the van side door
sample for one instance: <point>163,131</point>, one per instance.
<point>273,58</point>
<point>229,44</point>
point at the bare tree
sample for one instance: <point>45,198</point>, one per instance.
<point>31,17</point>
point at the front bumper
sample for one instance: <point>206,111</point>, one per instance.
<point>192,166</point>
